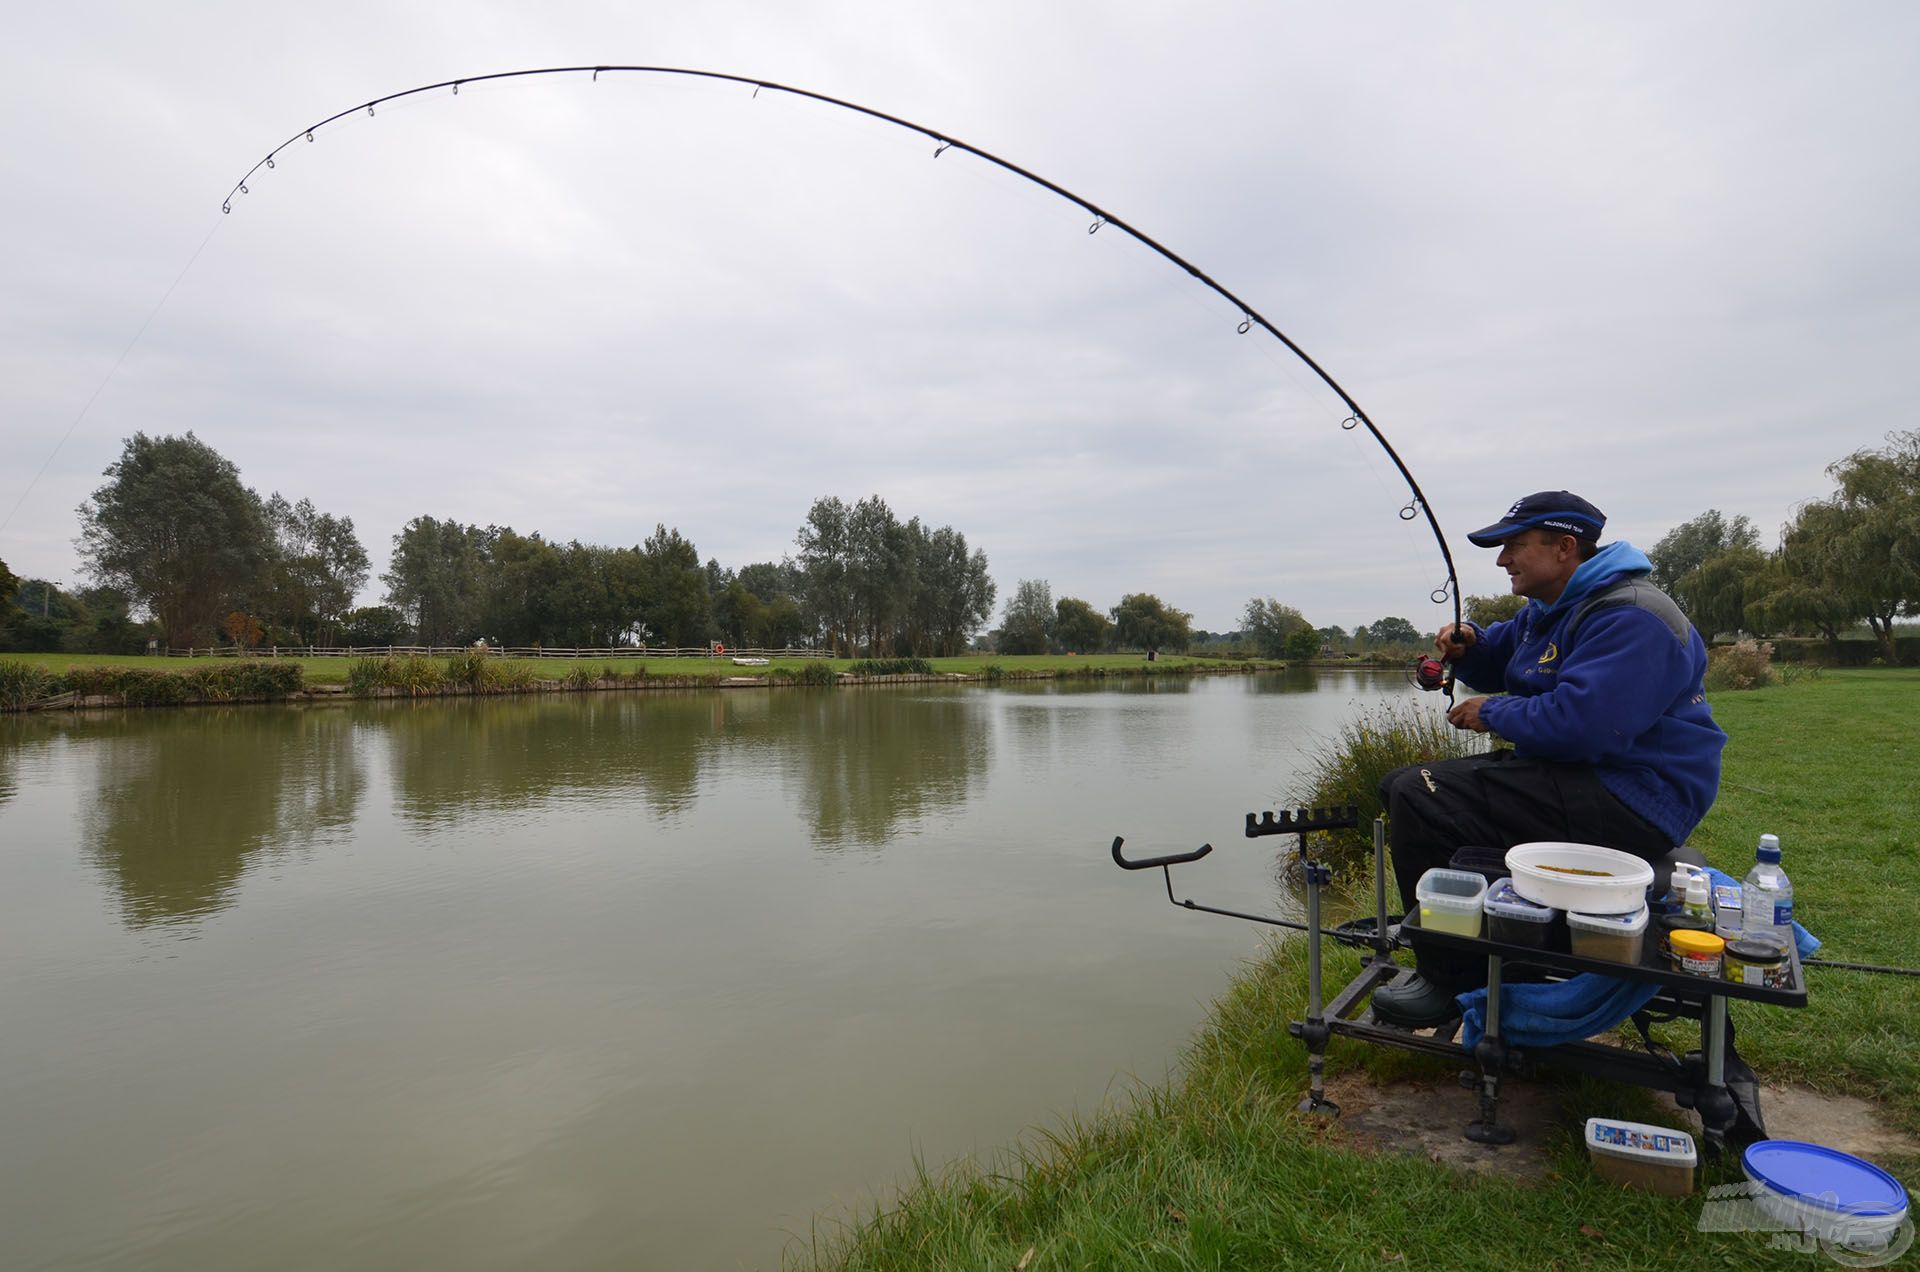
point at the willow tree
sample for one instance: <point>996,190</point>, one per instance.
<point>1865,540</point>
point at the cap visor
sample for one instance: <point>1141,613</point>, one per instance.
<point>1494,534</point>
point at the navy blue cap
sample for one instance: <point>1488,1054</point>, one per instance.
<point>1560,510</point>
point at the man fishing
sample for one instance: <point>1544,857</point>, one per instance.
<point>1612,739</point>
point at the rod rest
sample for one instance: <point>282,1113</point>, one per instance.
<point>1301,821</point>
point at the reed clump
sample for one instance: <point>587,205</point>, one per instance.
<point>22,683</point>
<point>891,667</point>
<point>1347,768</point>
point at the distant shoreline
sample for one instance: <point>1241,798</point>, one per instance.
<point>39,683</point>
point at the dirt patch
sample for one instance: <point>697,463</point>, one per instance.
<point>1428,1118</point>
<point>1844,1122</point>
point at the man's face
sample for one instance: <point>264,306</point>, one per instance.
<point>1539,563</point>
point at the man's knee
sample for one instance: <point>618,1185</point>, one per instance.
<point>1396,784</point>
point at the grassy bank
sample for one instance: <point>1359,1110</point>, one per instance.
<point>1217,1171</point>
<point>152,680</point>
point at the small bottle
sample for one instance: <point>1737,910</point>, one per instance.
<point>1766,898</point>
<point>1698,904</point>
<point>1677,886</point>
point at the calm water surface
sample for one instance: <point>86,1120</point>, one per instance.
<point>628,980</point>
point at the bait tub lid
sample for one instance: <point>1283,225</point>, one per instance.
<point>1823,1178</point>
<point>1629,924</point>
<point>1503,902</point>
<point>1833,1195</point>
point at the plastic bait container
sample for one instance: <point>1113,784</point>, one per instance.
<point>1583,877</point>
<point>1450,901</point>
<point>1514,919</point>
<point>1696,953</point>
<point>1614,937</point>
<point>1833,1195</point>
<point>1635,1155</point>
<point>1757,963</point>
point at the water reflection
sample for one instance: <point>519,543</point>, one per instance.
<point>466,758</point>
<point>10,742</point>
<point>861,762</point>
<point>874,758</point>
<point>187,797</point>
<point>1302,680</point>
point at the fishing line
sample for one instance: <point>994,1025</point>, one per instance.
<point>108,377</point>
<point>1100,220</point>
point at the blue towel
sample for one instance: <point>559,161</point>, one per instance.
<point>1546,1015</point>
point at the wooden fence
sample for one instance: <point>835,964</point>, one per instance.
<point>440,651</point>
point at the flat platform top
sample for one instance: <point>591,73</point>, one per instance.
<point>1652,966</point>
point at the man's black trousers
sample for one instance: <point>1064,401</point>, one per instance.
<point>1497,800</point>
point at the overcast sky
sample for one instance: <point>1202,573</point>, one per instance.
<point>1664,255</point>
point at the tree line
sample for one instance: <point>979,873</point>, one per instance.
<point>174,532</point>
<point>1849,558</point>
<point>863,582</point>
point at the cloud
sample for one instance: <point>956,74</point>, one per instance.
<point>1666,264</point>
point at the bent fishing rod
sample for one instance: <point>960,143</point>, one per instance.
<point>1250,317</point>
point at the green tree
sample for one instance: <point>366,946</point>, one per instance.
<point>44,619</point>
<point>1079,627</point>
<point>1715,594</point>
<point>954,592</point>
<point>1798,595</point>
<point>1488,610</point>
<point>436,579</point>
<point>1391,631</point>
<point>1268,624</point>
<point>879,568</point>
<point>1692,544</point>
<point>1302,643</point>
<point>318,566</point>
<point>677,609</point>
<point>786,624</point>
<point>176,530</point>
<point>9,610</point>
<point>519,587</point>
<point>1143,621</point>
<point>740,616</point>
<point>376,625</point>
<point>1027,625</point>
<point>1335,638</point>
<point>1865,542</point>
<point>825,559</point>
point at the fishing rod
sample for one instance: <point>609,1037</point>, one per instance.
<point>1250,317</point>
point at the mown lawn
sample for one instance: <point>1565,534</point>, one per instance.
<point>1216,1170</point>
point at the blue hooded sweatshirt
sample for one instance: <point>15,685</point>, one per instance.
<point>1620,690</point>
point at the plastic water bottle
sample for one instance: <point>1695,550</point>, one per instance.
<point>1766,898</point>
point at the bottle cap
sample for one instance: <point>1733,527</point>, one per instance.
<point>1697,890</point>
<point>1769,853</point>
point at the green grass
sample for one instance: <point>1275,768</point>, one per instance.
<point>336,671</point>
<point>1216,1170</point>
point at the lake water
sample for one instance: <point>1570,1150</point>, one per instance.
<point>636,980</point>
